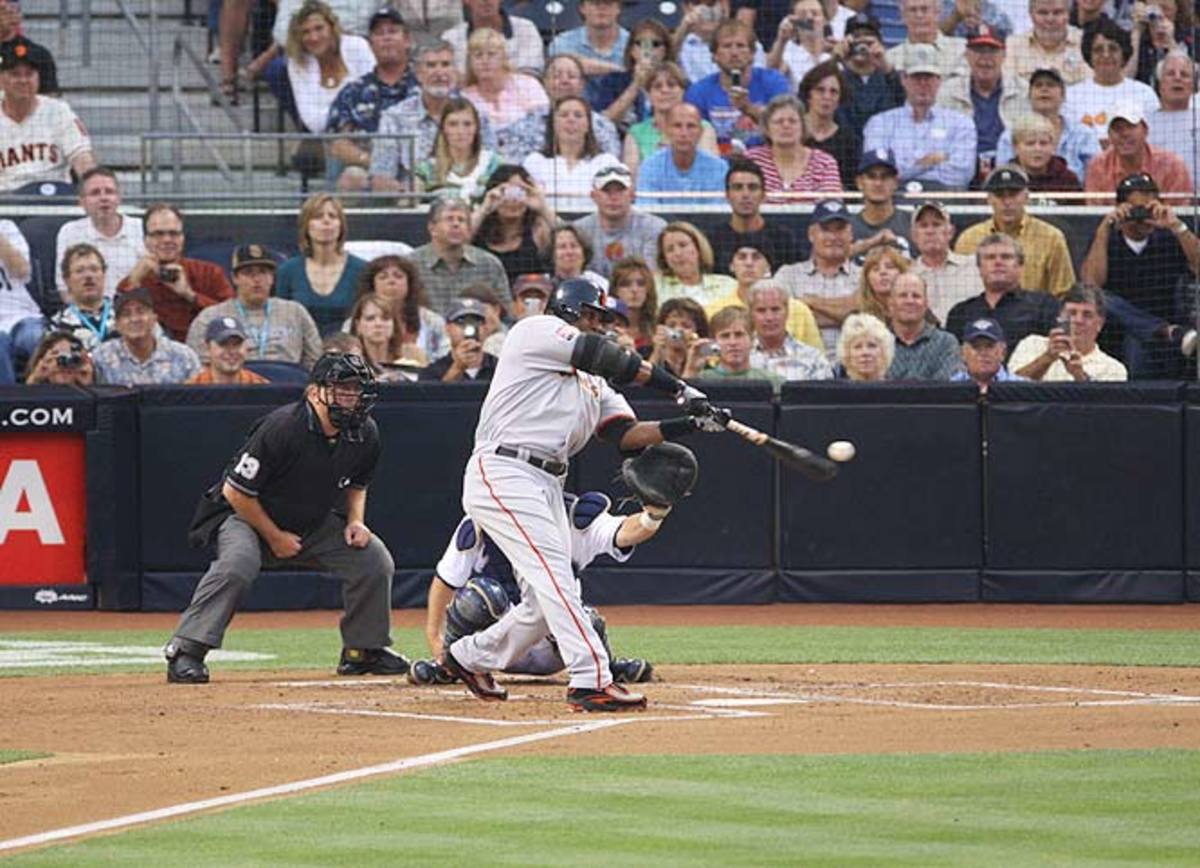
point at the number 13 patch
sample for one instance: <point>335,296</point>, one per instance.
<point>247,466</point>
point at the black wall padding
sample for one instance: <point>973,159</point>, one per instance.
<point>1085,483</point>
<point>1097,586</point>
<point>635,585</point>
<point>879,586</point>
<point>910,498</point>
<point>729,521</point>
<point>114,522</point>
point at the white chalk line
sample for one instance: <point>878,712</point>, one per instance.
<point>406,764</point>
<point>760,697</point>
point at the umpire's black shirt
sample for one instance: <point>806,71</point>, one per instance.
<point>296,473</point>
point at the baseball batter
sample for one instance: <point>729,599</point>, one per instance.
<point>549,395</point>
<point>471,556</point>
<point>41,139</point>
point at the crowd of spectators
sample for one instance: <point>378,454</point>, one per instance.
<point>742,105</point>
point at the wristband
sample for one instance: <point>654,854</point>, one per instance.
<point>673,429</point>
<point>648,521</point>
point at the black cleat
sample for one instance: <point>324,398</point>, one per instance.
<point>371,661</point>
<point>480,683</point>
<point>186,666</point>
<point>611,698</point>
<point>631,670</point>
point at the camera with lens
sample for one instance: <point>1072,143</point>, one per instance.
<point>860,49</point>
<point>73,359</point>
<point>1063,323</point>
<point>470,331</point>
<point>675,335</point>
<point>1140,214</point>
<point>1153,14</point>
<point>800,26</point>
<point>513,193</point>
<point>168,273</point>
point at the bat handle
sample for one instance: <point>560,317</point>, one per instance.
<point>758,438</point>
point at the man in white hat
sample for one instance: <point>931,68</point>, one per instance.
<point>616,229</point>
<point>1129,153</point>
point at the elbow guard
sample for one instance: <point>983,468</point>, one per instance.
<point>596,355</point>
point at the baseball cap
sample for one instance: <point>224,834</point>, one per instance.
<point>766,251</point>
<point>617,307</point>
<point>16,51</point>
<point>1127,111</point>
<point>1139,182</point>
<point>527,283</point>
<point>862,21</point>
<point>920,59</point>
<point>1048,72</point>
<point>223,328</point>
<point>986,37</point>
<point>618,173</point>
<point>387,13</point>
<point>138,293</point>
<point>1006,178</point>
<point>252,254</point>
<point>983,328</point>
<point>878,157</point>
<point>465,307</point>
<point>828,210</point>
<point>931,205</point>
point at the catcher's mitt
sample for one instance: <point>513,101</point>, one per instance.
<point>661,475</point>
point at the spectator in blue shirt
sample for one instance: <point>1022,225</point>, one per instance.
<point>682,167</point>
<point>934,146</point>
<point>600,43</point>
<point>732,100</point>
<point>983,351</point>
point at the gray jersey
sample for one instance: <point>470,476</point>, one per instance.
<point>538,400</point>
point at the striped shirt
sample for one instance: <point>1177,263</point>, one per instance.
<point>820,176</point>
<point>792,361</point>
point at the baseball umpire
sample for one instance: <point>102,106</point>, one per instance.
<point>474,585</point>
<point>550,394</point>
<point>297,492</point>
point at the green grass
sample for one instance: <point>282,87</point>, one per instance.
<point>1061,808</point>
<point>16,756</point>
<point>318,648</point>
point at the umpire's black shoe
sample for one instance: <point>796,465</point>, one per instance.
<point>185,662</point>
<point>371,661</point>
<point>611,698</point>
<point>631,670</point>
<point>480,683</point>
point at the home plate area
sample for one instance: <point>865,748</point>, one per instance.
<point>719,695</point>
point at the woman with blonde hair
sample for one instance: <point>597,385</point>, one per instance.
<point>632,282</point>
<point>321,60</point>
<point>879,272</point>
<point>376,324</point>
<point>458,164</point>
<point>865,348</point>
<point>323,276</point>
<point>499,92</point>
<point>789,165</point>
<point>685,265</point>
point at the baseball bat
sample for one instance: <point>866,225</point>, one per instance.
<point>816,467</point>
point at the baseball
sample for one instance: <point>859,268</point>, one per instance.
<point>840,450</point>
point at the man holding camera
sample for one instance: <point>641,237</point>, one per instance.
<point>1069,352</point>
<point>1141,266</point>
<point>732,99</point>
<point>179,287</point>
<point>802,41</point>
<point>693,38</point>
<point>467,328</point>
<point>872,82</point>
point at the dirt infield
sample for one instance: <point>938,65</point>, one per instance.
<point>131,743</point>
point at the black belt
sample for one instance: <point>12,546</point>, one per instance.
<point>554,468</point>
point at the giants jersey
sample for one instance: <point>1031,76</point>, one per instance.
<point>537,400</point>
<point>471,553</point>
<point>41,147</point>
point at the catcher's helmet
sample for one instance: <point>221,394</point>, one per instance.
<point>343,369</point>
<point>573,295</point>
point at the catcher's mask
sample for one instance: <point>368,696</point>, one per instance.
<point>346,387</point>
<point>573,296</point>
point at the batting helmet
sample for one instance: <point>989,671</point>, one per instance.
<point>342,369</point>
<point>476,605</point>
<point>573,295</point>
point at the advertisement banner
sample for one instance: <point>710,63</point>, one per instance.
<point>43,505</point>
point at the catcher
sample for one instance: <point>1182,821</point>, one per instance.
<point>474,583</point>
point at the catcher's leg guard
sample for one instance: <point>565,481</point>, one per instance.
<point>476,606</point>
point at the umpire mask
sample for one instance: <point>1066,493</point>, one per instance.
<point>347,389</point>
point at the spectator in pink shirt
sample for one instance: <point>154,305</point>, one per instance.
<point>788,165</point>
